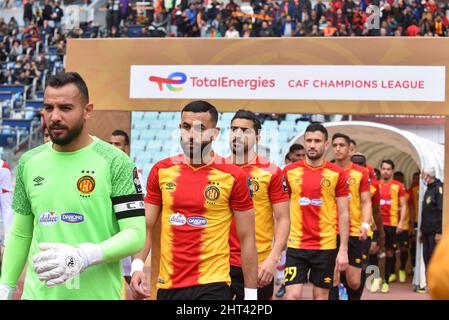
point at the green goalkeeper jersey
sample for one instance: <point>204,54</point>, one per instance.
<point>71,197</point>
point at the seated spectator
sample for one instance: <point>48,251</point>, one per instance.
<point>232,33</point>
<point>265,30</point>
<point>213,33</point>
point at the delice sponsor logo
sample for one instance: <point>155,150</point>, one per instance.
<point>48,218</point>
<point>177,219</point>
<point>72,217</point>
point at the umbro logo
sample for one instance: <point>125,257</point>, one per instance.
<point>38,181</point>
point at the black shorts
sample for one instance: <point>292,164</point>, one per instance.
<point>210,291</point>
<point>320,263</point>
<point>391,239</point>
<point>366,245</point>
<point>355,251</point>
<point>404,239</point>
<point>238,286</point>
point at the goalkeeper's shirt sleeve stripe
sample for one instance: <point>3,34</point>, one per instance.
<point>17,249</point>
<point>129,241</point>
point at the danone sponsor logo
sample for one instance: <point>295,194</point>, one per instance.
<point>48,218</point>
<point>178,219</point>
<point>197,221</point>
<point>316,202</point>
<point>72,217</point>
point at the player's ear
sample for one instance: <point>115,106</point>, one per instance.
<point>88,109</point>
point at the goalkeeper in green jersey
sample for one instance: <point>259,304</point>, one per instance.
<point>78,207</point>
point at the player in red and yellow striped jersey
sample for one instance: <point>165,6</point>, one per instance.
<point>360,212</point>
<point>271,205</point>
<point>414,197</point>
<point>317,189</point>
<point>376,238</point>
<point>196,195</point>
<point>393,209</point>
<point>404,236</point>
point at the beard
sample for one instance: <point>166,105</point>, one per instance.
<point>315,156</point>
<point>71,134</point>
<point>196,151</point>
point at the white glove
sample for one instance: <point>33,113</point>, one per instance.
<point>6,292</point>
<point>58,262</point>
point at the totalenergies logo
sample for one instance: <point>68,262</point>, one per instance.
<point>174,79</point>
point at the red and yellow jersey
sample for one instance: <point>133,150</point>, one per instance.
<point>375,192</point>
<point>406,225</point>
<point>196,214</point>
<point>414,195</point>
<point>358,182</point>
<point>268,185</point>
<point>313,207</point>
<point>389,202</point>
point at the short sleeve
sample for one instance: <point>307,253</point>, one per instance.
<point>154,193</point>
<point>287,183</point>
<point>364,183</point>
<point>341,189</point>
<point>277,189</point>
<point>401,190</point>
<point>240,199</point>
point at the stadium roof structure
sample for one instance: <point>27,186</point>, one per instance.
<point>378,141</point>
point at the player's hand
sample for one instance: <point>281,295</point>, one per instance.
<point>363,234</point>
<point>138,286</point>
<point>399,228</point>
<point>336,276</point>
<point>266,272</point>
<point>342,260</point>
<point>6,292</point>
<point>59,262</point>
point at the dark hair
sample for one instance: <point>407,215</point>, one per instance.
<point>248,115</point>
<point>417,173</point>
<point>343,136</point>
<point>202,106</point>
<point>359,159</point>
<point>121,133</point>
<point>316,126</point>
<point>64,78</point>
<point>388,161</point>
<point>287,157</point>
<point>295,147</point>
<point>352,141</point>
<point>399,174</point>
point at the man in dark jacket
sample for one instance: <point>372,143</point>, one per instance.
<point>432,208</point>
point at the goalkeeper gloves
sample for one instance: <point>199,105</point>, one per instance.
<point>6,292</point>
<point>59,262</point>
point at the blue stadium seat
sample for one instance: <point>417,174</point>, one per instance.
<point>6,95</point>
<point>35,104</point>
<point>166,116</point>
<point>138,145</point>
<point>12,88</point>
<point>157,125</point>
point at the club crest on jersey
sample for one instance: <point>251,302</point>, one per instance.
<point>170,186</point>
<point>255,185</point>
<point>212,193</point>
<point>86,185</point>
<point>325,183</point>
<point>352,181</point>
